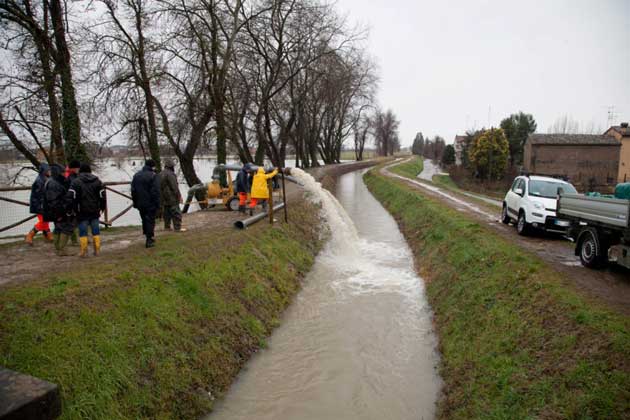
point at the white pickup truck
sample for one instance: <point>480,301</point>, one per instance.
<point>600,228</point>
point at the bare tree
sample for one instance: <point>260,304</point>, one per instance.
<point>386,133</point>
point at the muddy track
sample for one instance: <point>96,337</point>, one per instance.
<point>21,263</point>
<point>610,286</point>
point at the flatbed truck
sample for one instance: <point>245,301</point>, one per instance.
<point>599,227</point>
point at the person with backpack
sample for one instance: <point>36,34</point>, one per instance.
<point>36,205</point>
<point>145,193</point>
<point>72,172</point>
<point>171,197</point>
<point>57,210</point>
<point>87,195</point>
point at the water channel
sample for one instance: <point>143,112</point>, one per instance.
<point>357,343</point>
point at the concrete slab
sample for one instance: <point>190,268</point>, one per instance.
<point>25,397</point>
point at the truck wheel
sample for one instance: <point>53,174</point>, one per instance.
<point>592,252</point>
<point>232,204</point>
<point>505,217</point>
<point>522,227</point>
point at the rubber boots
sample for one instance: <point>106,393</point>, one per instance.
<point>96,241</point>
<point>49,236</point>
<point>74,239</point>
<point>241,209</point>
<point>29,237</point>
<point>57,238</point>
<point>83,242</point>
<point>62,246</point>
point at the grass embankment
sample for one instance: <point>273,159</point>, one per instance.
<point>410,168</point>
<point>516,340</point>
<point>152,333</point>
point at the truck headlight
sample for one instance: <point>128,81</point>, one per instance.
<point>538,206</point>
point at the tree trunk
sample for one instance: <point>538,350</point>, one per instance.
<point>71,121</point>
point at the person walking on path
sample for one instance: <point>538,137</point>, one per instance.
<point>36,205</point>
<point>57,210</point>
<point>87,195</point>
<point>145,192</point>
<point>170,197</point>
<point>243,186</point>
<point>260,190</point>
<point>72,172</point>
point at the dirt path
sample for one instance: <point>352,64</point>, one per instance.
<point>20,262</point>
<point>612,286</point>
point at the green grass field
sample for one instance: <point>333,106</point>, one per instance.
<point>153,332</point>
<point>410,168</point>
<point>516,340</point>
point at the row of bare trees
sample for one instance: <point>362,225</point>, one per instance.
<point>260,79</point>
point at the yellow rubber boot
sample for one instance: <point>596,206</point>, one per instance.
<point>83,241</point>
<point>96,239</point>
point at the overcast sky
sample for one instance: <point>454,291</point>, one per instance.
<point>451,65</point>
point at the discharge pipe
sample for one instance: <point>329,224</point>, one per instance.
<point>242,224</point>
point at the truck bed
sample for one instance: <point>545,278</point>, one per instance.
<point>611,212</point>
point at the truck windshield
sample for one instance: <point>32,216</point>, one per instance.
<point>549,189</point>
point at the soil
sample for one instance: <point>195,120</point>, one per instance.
<point>20,262</point>
<point>610,286</point>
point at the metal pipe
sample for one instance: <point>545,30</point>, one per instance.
<point>242,224</point>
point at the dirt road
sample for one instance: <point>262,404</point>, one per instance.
<point>20,262</point>
<point>611,286</point>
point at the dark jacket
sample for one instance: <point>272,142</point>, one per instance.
<point>169,188</point>
<point>243,181</point>
<point>37,191</point>
<point>87,195</point>
<point>145,190</point>
<point>55,207</point>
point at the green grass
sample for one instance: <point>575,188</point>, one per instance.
<point>350,155</point>
<point>516,340</point>
<point>445,181</point>
<point>151,334</point>
<point>410,168</point>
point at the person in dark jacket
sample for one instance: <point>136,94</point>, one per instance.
<point>170,197</point>
<point>72,172</point>
<point>87,195</point>
<point>243,186</point>
<point>37,205</point>
<point>145,192</point>
<point>57,210</point>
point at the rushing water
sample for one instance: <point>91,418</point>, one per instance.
<point>357,343</point>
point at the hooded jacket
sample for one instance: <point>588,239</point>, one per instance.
<point>243,181</point>
<point>54,204</point>
<point>37,191</point>
<point>145,190</point>
<point>87,195</point>
<point>169,188</point>
<point>259,185</point>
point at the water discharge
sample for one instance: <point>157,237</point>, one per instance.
<point>357,343</point>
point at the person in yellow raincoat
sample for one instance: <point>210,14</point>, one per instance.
<point>260,191</point>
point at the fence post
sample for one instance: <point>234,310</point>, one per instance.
<point>106,212</point>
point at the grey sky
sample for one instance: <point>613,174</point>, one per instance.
<point>444,63</point>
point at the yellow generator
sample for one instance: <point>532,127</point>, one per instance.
<point>220,190</point>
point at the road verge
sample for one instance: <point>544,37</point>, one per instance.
<point>515,340</point>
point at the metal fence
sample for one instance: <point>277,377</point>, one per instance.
<point>15,216</point>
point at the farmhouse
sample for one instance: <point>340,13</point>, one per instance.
<point>622,133</point>
<point>590,162</point>
<point>459,148</point>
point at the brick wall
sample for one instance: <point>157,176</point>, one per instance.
<point>588,167</point>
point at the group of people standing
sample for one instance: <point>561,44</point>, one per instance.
<point>72,198</point>
<point>149,191</point>
<point>254,184</point>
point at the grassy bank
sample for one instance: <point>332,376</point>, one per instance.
<point>410,168</point>
<point>516,340</point>
<point>156,333</point>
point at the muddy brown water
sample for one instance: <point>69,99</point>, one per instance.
<point>357,343</point>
